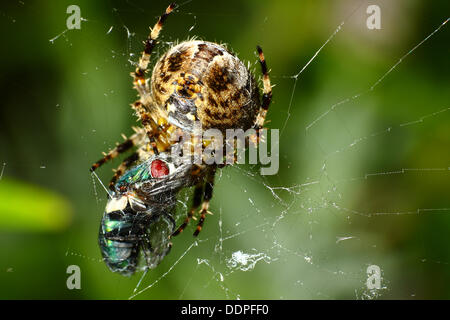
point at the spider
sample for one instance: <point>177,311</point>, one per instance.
<point>193,81</point>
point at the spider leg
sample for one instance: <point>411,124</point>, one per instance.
<point>158,130</point>
<point>120,148</point>
<point>150,120</point>
<point>139,74</point>
<point>267,92</point>
<point>148,123</point>
<point>122,168</point>
<point>198,192</point>
<point>206,198</point>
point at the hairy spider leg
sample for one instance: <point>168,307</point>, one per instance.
<point>209,185</point>
<point>149,124</point>
<point>267,92</point>
<point>159,131</point>
<point>153,126</point>
<point>120,148</point>
<point>151,41</point>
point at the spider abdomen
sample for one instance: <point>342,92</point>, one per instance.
<point>199,80</point>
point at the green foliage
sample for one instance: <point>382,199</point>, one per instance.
<point>28,208</point>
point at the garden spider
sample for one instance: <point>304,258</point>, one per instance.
<point>193,81</point>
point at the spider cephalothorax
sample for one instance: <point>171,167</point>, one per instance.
<point>194,81</point>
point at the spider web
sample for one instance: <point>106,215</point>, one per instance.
<point>314,234</point>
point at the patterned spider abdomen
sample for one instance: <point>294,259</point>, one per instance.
<point>200,80</point>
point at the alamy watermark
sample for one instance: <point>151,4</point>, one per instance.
<point>373,277</point>
<point>374,19</point>
<point>74,20</point>
<point>74,280</point>
<point>213,146</point>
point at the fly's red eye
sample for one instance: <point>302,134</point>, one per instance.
<point>159,169</point>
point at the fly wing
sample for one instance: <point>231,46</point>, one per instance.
<point>157,243</point>
<point>182,177</point>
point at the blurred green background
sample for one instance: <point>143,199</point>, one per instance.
<point>365,184</point>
